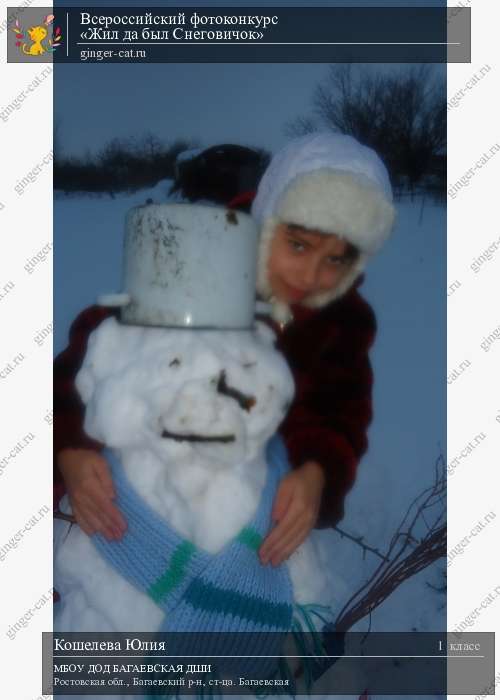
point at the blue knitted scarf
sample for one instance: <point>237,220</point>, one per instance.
<point>230,591</point>
<point>200,592</point>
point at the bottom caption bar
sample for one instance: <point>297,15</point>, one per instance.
<point>216,664</point>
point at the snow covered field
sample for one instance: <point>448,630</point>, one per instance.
<point>406,286</point>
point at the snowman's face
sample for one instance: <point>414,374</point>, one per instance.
<point>220,394</point>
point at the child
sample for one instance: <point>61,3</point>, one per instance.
<point>324,206</point>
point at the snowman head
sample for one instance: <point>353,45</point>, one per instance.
<point>218,395</point>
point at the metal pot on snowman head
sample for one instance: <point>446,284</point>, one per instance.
<point>188,266</point>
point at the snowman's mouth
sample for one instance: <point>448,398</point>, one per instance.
<point>245,402</point>
<point>192,437</point>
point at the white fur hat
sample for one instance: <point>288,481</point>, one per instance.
<point>330,183</point>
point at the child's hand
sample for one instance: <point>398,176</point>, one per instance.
<point>90,490</point>
<point>296,509</point>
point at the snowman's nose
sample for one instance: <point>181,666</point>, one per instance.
<point>245,401</point>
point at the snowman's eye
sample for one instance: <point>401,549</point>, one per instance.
<point>248,365</point>
<point>175,362</point>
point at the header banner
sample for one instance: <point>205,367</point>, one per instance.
<point>242,35</point>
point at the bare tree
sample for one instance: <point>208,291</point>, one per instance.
<point>401,115</point>
<point>150,146</point>
<point>123,164</point>
<point>300,126</point>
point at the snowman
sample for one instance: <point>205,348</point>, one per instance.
<point>187,391</point>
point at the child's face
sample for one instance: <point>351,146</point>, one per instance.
<point>304,262</point>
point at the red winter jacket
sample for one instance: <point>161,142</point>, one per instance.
<point>327,351</point>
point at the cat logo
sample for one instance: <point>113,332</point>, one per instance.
<point>38,36</point>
